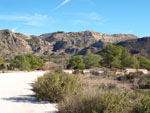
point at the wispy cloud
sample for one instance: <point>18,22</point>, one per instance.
<point>62,4</point>
<point>94,16</point>
<point>32,20</point>
<point>87,19</point>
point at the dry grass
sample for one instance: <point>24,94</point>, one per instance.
<point>105,94</point>
<point>92,81</point>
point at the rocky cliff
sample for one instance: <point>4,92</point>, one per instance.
<point>63,43</point>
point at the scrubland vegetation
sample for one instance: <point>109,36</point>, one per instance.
<point>98,93</point>
<point>92,92</point>
<point>111,56</point>
<point>55,85</point>
<point>88,93</point>
<point>22,62</point>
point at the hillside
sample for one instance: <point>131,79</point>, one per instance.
<point>56,43</point>
<point>137,47</point>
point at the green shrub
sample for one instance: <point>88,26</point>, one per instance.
<point>142,92</point>
<point>54,86</point>
<point>96,103</point>
<point>142,106</point>
<point>2,66</point>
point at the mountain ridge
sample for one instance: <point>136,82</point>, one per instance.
<point>60,42</point>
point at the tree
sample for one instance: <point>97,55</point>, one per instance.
<point>21,62</point>
<point>2,66</point>
<point>91,60</point>
<point>130,62</point>
<point>118,57</point>
<point>116,63</point>
<point>144,63</point>
<point>111,56</point>
<point>36,63</point>
<point>27,62</point>
<point>77,62</point>
<point>1,60</point>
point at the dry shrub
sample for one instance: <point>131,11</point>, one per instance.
<point>77,71</point>
<point>142,106</point>
<point>54,86</point>
<point>130,76</point>
<point>94,72</point>
<point>94,102</point>
<point>144,82</point>
<point>109,86</point>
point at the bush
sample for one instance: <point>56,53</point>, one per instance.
<point>142,92</point>
<point>54,86</point>
<point>109,86</point>
<point>94,72</point>
<point>112,86</point>
<point>78,72</point>
<point>96,103</point>
<point>142,106</point>
<point>130,76</point>
<point>2,66</point>
<point>144,82</point>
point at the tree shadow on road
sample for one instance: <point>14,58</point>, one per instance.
<point>25,99</point>
<point>29,99</point>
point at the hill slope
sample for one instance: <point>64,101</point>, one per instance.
<point>137,47</point>
<point>56,43</point>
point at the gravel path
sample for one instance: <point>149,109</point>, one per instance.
<point>16,96</point>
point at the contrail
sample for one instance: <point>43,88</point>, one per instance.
<point>14,29</point>
<point>62,4</point>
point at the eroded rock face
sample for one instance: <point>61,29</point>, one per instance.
<point>11,44</point>
<point>137,47</point>
<point>56,43</point>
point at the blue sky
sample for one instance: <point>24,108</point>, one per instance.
<point>105,16</point>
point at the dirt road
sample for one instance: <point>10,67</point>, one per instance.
<point>16,95</point>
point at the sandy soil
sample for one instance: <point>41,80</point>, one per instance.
<point>16,95</point>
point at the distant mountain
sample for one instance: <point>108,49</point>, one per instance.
<point>137,47</point>
<point>72,43</point>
